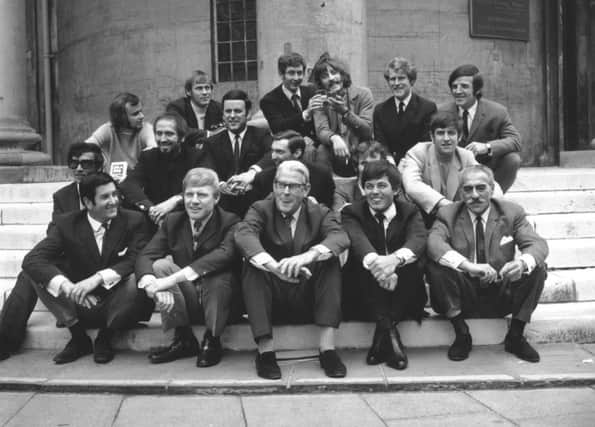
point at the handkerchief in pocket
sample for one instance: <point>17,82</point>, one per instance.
<point>505,240</point>
<point>123,251</point>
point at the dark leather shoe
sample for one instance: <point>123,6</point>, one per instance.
<point>4,354</point>
<point>331,364</point>
<point>396,357</point>
<point>266,366</point>
<point>211,351</point>
<point>102,349</point>
<point>178,349</point>
<point>460,348</point>
<point>73,350</point>
<point>377,352</point>
<point>521,348</point>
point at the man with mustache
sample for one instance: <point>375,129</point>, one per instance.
<point>473,270</point>
<point>402,120</point>
<point>345,121</point>
<point>155,185</point>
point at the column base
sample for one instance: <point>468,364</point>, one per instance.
<point>19,144</point>
<point>24,158</point>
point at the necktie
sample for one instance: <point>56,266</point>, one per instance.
<point>195,233</point>
<point>288,220</point>
<point>100,236</point>
<point>380,219</point>
<point>295,100</point>
<point>480,247</point>
<point>236,155</point>
<point>401,108</point>
<point>465,127</point>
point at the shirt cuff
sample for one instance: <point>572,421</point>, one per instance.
<point>368,258</point>
<point>189,274</point>
<point>259,260</point>
<point>54,285</point>
<point>529,261</point>
<point>144,281</point>
<point>406,255</point>
<point>255,168</point>
<point>452,259</point>
<point>109,277</point>
<point>325,253</point>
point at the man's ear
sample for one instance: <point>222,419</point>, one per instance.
<point>297,154</point>
<point>87,202</point>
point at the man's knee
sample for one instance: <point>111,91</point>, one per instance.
<point>164,267</point>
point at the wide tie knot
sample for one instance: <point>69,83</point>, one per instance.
<point>401,107</point>
<point>380,217</point>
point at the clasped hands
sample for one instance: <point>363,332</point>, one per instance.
<point>291,269</point>
<point>238,184</point>
<point>154,287</point>
<point>383,269</point>
<point>511,272</point>
<point>477,148</point>
<point>79,292</point>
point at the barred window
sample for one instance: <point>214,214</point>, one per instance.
<point>234,40</point>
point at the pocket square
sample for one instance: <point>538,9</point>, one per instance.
<point>505,240</point>
<point>123,251</point>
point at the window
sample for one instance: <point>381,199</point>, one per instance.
<point>234,35</point>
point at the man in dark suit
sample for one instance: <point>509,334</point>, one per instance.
<point>155,185</point>
<point>239,153</point>
<point>98,288</point>
<point>290,105</point>
<point>290,145</point>
<point>200,281</point>
<point>388,237</point>
<point>198,108</point>
<point>83,158</point>
<point>402,120</point>
<point>473,271</point>
<point>487,130</point>
<point>292,272</point>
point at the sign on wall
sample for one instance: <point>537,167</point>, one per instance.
<point>500,19</point>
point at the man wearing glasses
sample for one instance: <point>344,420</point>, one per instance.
<point>473,271</point>
<point>83,159</point>
<point>293,275</point>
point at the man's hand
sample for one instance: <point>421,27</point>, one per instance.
<point>292,266</point>
<point>338,104</point>
<point>477,148</point>
<point>273,267</point>
<point>81,290</point>
<point>149,283</point>
<point>390,283</point>
<point>315,103</point>
<point>157,213</point>
<point>164,301</point>
<point>245,178</point>
<point>383,266</point>
<point>485,272</point>
<point>444,202</point>
<point>513,270</point>
<point>339,146</point>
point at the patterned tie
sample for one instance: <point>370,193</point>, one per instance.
<point>236,155</point>
<point>480,247</point>
<point>295,100</point>
<point>464,141</point>
<point>195,234</point>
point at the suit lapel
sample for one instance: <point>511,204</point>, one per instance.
<point>302,230</point>
<point>463,222</point>
<point>87,238</point>
<point>73,202</point>
<point>112,237</point>
<point>395,226</point>
<point>452,181</point>
<point>477,119</point>
<point>208,231</point>
<point>186,237</point>
<point>491,225</point>
<point>434,168</point>
<point>245,144</point>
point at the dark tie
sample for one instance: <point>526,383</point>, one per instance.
<point>464,141</point>
<point>295,100</point>
<point>236,155</point>
<point>401,108</point>
<point>480,241</point>
<point>105,226</point>
<point>380,219</point>
<point>195,234</point>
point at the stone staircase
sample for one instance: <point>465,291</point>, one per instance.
<point>560,202</point>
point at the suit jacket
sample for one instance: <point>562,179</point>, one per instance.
<point>213,115</point>
<point>66,199</point>
<point>281,114</point>
<point>400,133</point>
<point>506,227</point>
<point>322,185</point>
<point>421,174</point>
<point>492,124</point>
<point>256,147</point>
<point>262,230</point>
<point>215,252</point>
<point>157,178</point>
<point>358,124</point>
<point>73,238</point>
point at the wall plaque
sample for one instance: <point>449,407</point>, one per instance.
<point>499,19</point>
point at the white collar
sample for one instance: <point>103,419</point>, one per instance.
<point>471,110</point>
<point>232,136</point>
<point>96,225</point>
<point>289,94</point>
<point>389,213</point>
<point>295,215</point>
<point>404,101</point>
<point>484,216</point>
<point>202,223</point>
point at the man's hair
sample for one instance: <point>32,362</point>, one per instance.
<point>469,170</point>
<point>290,60</point>
<point>201,177</point>
<point>117,109</point>
<point>401,64</point>
<point>181,126</point>
<point>89,184</point>
<point>320,69</point>
<point>294,166</point>
<point>78,148</point>
<point>444,120</point>
<point>375,149</point>
<point>199,75</point>
<point>237,94</point>
<point>379,169</point>
<point>468,70</point>
<point>295,141</point>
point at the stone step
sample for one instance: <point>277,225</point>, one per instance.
<point>546,202</point>
<point>554,178</point>
<point>21,236</point>
<point>26,213</point>
<point>564,226</point>
<point>564,322</point>
<point>29,193</point>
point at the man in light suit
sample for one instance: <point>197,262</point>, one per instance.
<point>431,169</point>
<point>97,288</point>
<point>487,130</point>
<point>292,246</point>
<point>388,238</point>
<point>83,159</point>
<point>198,284</point>
<point>402,120</point>
<point>473,271</point>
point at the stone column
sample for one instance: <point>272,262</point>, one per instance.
<point>311,27</point>
<point>18,139</point>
